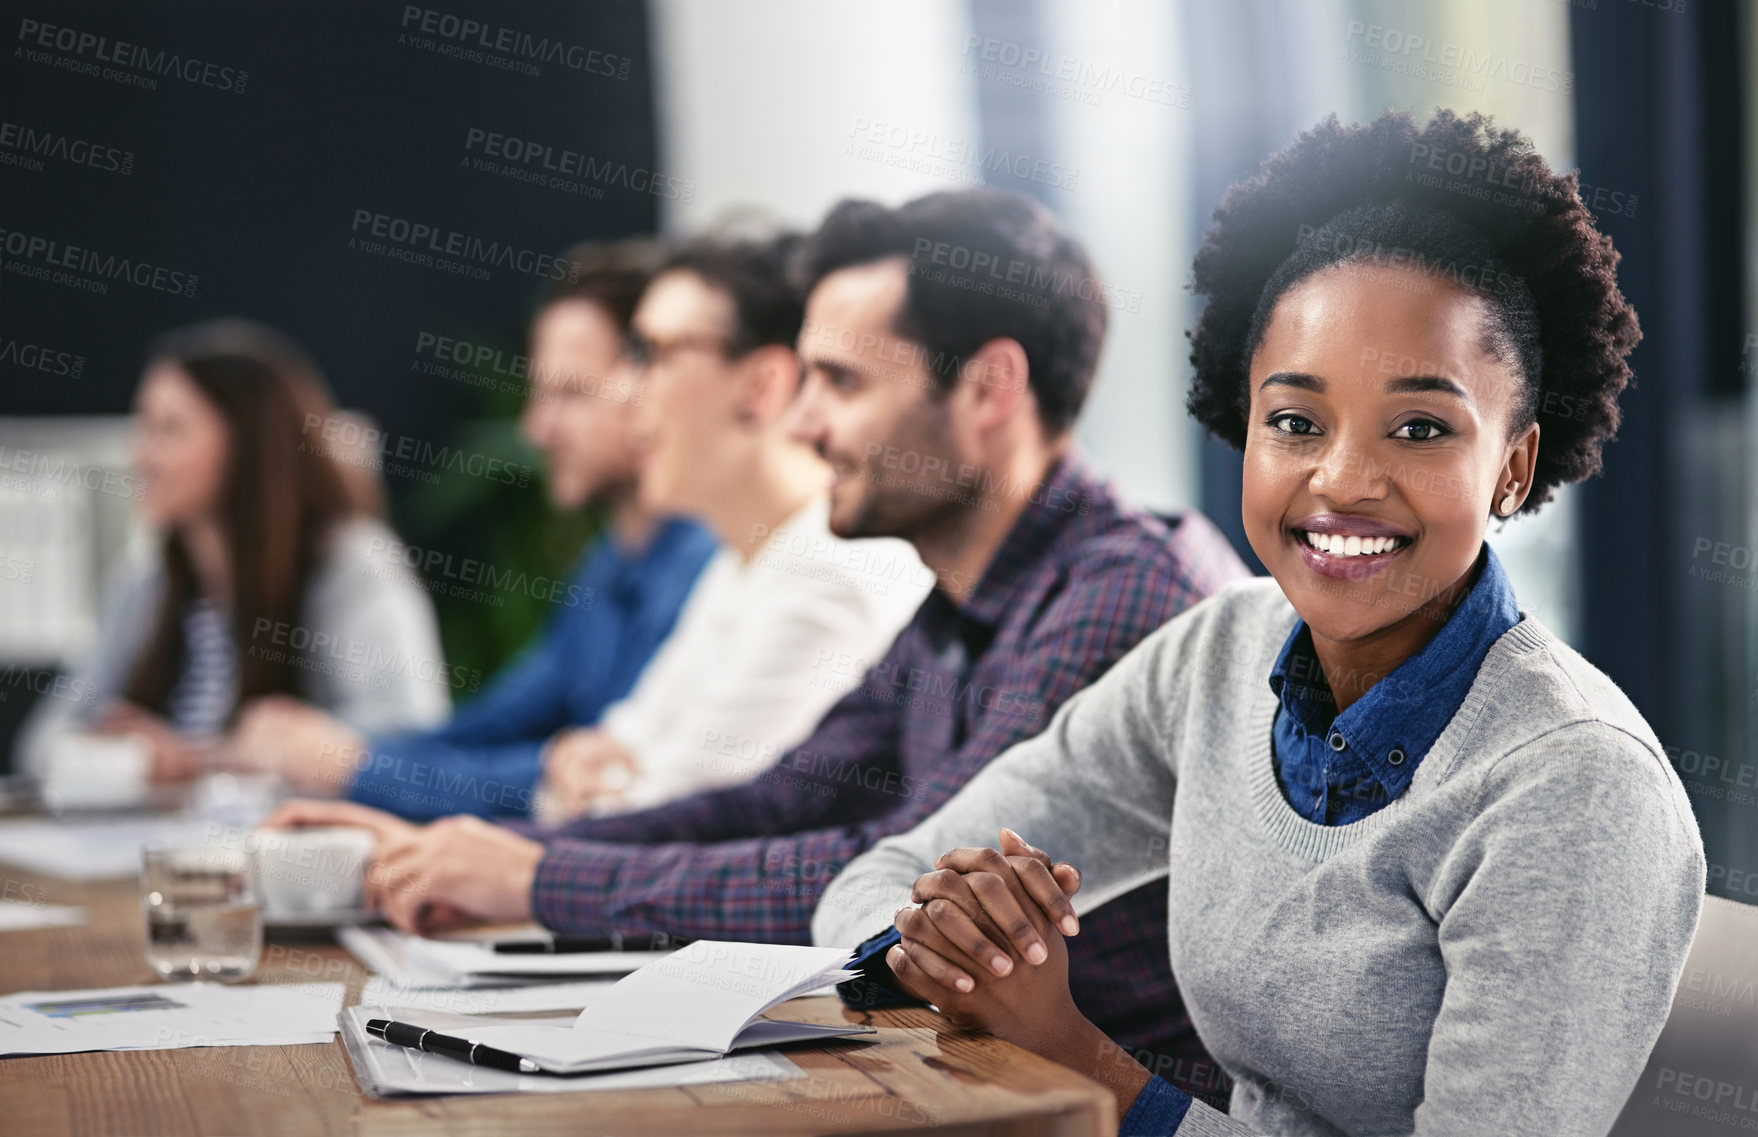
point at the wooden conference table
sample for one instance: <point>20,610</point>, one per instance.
<point>920,1073</point>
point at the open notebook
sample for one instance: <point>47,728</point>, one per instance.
<point>387,1070</point>
<point>700,1002</point>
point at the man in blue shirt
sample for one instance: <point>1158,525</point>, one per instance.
<point>619,605</point>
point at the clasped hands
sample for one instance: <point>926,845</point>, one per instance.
<point>986,944</point>
<point>987,947</point>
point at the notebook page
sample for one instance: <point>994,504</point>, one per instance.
<point>564,1049</point>
<point>703,995</point>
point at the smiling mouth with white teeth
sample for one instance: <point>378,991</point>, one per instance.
<point>1337,545</point>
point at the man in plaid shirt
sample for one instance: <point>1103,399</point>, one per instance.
<point>944,398</point>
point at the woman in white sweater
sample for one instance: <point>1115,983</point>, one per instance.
<point>1429,870</point>
<point>262,584</point>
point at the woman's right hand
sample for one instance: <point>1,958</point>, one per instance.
<point>984,902</point>
<point>174,756</point>
<point>1031,1006</point>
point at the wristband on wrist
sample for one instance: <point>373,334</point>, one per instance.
<point>877,987</point>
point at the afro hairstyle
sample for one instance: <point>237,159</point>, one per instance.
<point>1457,198</point>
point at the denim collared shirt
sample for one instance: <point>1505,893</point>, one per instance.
<point>1338,768</point>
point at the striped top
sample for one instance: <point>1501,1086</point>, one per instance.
<point>206,692</point>
<point>354,600</point>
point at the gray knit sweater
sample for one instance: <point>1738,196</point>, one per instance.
<point>1491,954</point>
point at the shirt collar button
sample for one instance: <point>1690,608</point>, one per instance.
<point>1336,740</point>
<point>1396,757</point>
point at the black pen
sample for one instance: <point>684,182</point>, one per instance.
<point>561,945</point>
<point>420,1038</point>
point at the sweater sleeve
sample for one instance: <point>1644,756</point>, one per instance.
<point>1094,789</point>
<point>125,618</point>
<point>380,667</point>
<point>1566,910</point>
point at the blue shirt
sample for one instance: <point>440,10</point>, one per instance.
<point>487,759</point>
<point>1338,768</point>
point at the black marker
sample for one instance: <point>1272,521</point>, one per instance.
<point>420,1038</point>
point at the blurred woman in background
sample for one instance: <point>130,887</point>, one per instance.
<point>261,583</point>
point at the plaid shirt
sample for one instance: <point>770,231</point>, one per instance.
<point>1079,580</point>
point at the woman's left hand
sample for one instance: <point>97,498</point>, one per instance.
<point>1030,1005</point>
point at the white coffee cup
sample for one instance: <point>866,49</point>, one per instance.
<point>316,871</point>
<point>97,771</point>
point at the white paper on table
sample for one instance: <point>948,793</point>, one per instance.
<point>399,981</point>
<point>381,992</point>
<point>92,850</point>
<point>464,962</point>
<point>384,952</point>
<point>167,1016</point>
<point>20,917</point>
<point>408,961</point>
<point>380,951</point>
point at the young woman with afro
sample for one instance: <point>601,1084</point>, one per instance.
<point>1429,871</point>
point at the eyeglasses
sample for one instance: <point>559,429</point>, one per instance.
<point>644,352</point>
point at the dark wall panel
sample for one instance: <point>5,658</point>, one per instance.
<point>197,159</point>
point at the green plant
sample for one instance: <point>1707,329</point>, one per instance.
<point>521,543</point>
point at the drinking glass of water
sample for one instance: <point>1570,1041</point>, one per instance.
<point>203,911</point>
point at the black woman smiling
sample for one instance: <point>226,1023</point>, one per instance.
<point>1428,870</point>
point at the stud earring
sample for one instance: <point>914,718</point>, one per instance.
<point>1507,504</point>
